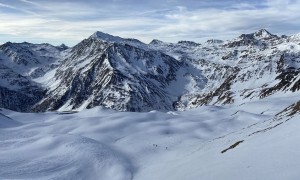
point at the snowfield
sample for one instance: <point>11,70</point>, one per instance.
<point>240,141</point>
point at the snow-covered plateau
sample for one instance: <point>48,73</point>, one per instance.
<point>112,108</point>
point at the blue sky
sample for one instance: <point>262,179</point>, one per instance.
<point>70,21</point>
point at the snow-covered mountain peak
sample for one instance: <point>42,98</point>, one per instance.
<point>214,41</point>
<point>263,33</point>
<point>62,47</point>
<point>156,42</point>
<point>106,37</point>
<point>258,38</point>
<point>295,37</point>
<point>188,43</point>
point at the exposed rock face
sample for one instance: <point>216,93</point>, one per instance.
<point>114,73</point>
<point>128,75</point>
<point>19,101</point>
<point>19,64</point>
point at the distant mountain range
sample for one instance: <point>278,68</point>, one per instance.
<point>129,75</point>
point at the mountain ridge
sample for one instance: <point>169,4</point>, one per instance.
<point>129,75</point>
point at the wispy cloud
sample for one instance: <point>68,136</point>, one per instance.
<point>69,21</point>
<point>31,3</point>
<point>16,8</point>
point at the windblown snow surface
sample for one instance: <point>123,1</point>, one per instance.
<point>242,141</point>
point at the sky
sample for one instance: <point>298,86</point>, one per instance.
<point>70,21</point>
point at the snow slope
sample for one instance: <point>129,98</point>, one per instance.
<point>196,144</point>
<point>6,122</point>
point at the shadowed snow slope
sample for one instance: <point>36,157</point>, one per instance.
<point>6,122</point>
<point>253,140</point>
